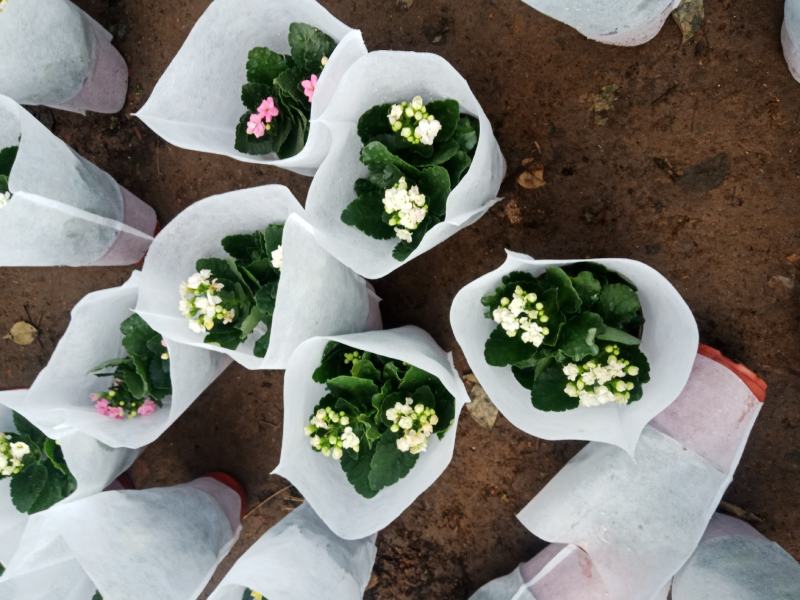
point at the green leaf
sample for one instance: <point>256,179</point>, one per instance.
<point>548,390</point>
<point>266,297</point>
<point>54,491</point>
<point>466,134</point>
<point>365,213</point>
<point>272,238</point>
<point>25,427</point>
<point>243,246</point>
<point>295,140</point>
<point>365,369</point>
<point>501,350</point>
<point>391,373</point>
<point>618,305</point>
<point>332,363</point>
<point>264,65</point>
<point>253,94</point>
<point>434,182</point>
<point>309,45</point>
<point>249,144</point>
<point>27,486</point>
<point>568,299</point>
<point>226,337</point>
<point>7,157</point>
<point>447,112</point>
<point>353,388</point>
<point>97,596</point>
<point>388,464</point>
<point>612,334</point>
<point>370,431</point>
<point>136,334</point>
<point>356,467</point>
<point>588,288</point>
<point>577,339</point>
<point>414,378</point>
<point>525,376</point>
<point>374,122</point>
<point>458,166</point>
<point>261,345</point>
<point>376,155</point>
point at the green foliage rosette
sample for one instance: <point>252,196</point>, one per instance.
<point>377,415</point>
<point>416,154</point>
<point>39,474</point>
<point>571,336</point>
<point>279,92</point>
<point>7,158</point>
<point>141,379</point>
<point>229,299</point>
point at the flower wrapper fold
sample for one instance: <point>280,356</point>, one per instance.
<point>58,400</point>
<point>197,102</point>
<point>321,480</point>
<point>63,209</point>
<point>616,22</point>
<point>790,36</point>
<point>57,55</point>
<point>297,558</point>
<point>316,295</point>
<point>650,510</point>
<point>93,464</point>
<point>669,340</point>
<point>128,545</point>
<point>386,77</point>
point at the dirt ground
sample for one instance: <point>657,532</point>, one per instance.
<point>693,169</point>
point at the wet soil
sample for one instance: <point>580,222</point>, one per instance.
<point>689,163</point>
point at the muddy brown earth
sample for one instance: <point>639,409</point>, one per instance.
<point>682,156</point>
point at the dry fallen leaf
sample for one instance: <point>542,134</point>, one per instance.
<point>532,177</point>
<point>480,408</point>
<point>512,211</point>
<point>603,102</point>
<point>689,16</point>
<point>22,333</point>
<point>739,512</point>
<point>793,258</point>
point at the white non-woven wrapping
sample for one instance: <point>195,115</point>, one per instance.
<point>58,401</point>
<point>734,561</point>
<point>320,479</point>
<point>300,558</point>
<point>669,340</point>
<point>47,48</point>
<point>790,36</point>
<point>197,102</point>
<point>650,510</point>
<point>316,294</point>
<point>128,545</point>
<point>63,210</point>
<point>93,464</point>
<point>617,22</point>
<point>377,78</point>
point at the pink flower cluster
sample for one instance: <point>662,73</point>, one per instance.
<point>102,406</point>
<point>309,87</point>
<point>260,120</point>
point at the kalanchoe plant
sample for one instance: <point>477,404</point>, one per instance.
<point>377,416</point>
<point>279,92</point>
<point>253,595</point>
<point>229,299</point>
<point>141,379</point>
<point>570,335</point>
<point>416,154</point>
<point>7,158</point>
<point>39,474</point>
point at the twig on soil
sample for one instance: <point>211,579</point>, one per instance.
<point>739,512</point>
<point>263,502</point>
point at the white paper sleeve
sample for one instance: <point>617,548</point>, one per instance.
<point>378,78</point>
<point>71,212</point>
<point>316,294</point>
<point>617,22</point>
<point>58,401</point>
<point>299,558</point>
<point>321,480</point>
<point>650,510</point>
<point>197,102</point>
<point>93,464</point>
<point>128,545</point>
<point>669,341</point>
<point>790,36</point>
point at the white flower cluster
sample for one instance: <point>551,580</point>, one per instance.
<point>200,303</point>
<point>406,207</point>
<point>416,423</point>
<point>523,313</point>
<point>11,456</point>
<point>277,258</point>
<point>331,434</point>
<point>5,197</point>
<point>254,595</point>
<point>595,383</point>
<point>412,121</point>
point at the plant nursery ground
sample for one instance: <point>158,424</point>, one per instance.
<point>684,156</point>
